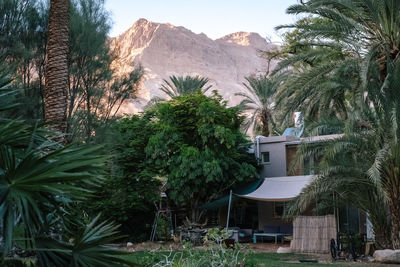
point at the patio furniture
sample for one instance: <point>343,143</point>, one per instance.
<point>275,235</point>
<point>288,231</point>
<point>274,232</point>
<point>241,235</point>
<point>288,238</point>
<point>245,235</point>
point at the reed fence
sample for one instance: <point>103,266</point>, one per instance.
<point>312,234</point>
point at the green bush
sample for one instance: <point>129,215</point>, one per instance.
<point>215,254</point>
<point>131,187</point>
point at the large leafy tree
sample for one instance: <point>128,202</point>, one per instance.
<point>198,146</point>
<point>22,46</point>
<point>181,85</point>
<point>368,35</point>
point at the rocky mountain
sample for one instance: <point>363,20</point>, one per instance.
<point>165,50</point>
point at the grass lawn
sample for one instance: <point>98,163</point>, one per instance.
<point>255,259</point>
<point>275,260</point>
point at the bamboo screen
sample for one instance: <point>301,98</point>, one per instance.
<point>312,234</point>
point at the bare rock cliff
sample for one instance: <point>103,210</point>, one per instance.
<point>164,50</point>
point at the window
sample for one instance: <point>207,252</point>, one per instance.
<point>311,164</point>
<point>265,157</point>
<point>279,208</point>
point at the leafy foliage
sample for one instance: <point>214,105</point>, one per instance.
<point>87,249</point>
<point>38,181</point>
<point>198,146</point>
<point>217,254</point>
<point>341,41</point>
<point>132,188</point>
<point>194,141</point>
<point>23,38</point>
<point>36,178</point>
<point>323,75</point>
<point>96,92</point>
<point>343,177</point>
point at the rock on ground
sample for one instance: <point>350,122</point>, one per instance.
<point>284,250</point>
<point>387,256</point>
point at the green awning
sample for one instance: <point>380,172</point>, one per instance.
<point>221,202</point>
<point>238,190</point>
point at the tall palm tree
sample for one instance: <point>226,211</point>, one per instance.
<point>56,75</point>
<point>368,35</point>
<point>259,101</point>
<point>366,29</point>
<point>346,37</point>
<point>325,90</point>
<point>184,85</point>
<point>343,174</point>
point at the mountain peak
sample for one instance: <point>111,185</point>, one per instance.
<point>141,21</point>
<point>244,39</point>
<point>164,50</point>
<point>137,36</point>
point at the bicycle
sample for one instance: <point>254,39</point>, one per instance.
<point>343,248</point>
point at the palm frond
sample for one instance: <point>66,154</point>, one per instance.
<point>6,92</point>
<point>91,247</point>
<point>258,98</point>
<point>38,178</point>
<point>179,85</point>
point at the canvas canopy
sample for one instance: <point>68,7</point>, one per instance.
<point>239,190</point>
<point>279,188</point>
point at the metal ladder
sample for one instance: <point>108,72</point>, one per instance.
<point>155,223</point>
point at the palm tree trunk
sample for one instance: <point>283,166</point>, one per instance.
<point>395,233</point>
<point>382,238</point>
<point>265,115</point>
<point>394,208</point>
<point>56,75</point>
<point>391,178</point>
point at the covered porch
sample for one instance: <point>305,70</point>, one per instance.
<point>271,197</point>
<point>257,211</point>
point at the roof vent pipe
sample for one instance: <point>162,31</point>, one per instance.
<point>258,153</point>
<point>298,120</point>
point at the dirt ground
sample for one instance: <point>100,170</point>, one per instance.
<point>166,246</point>
<point>265,247</point>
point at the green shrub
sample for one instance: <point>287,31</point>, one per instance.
<point>215,254</point>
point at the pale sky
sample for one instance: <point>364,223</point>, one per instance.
<point>215,18</point>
